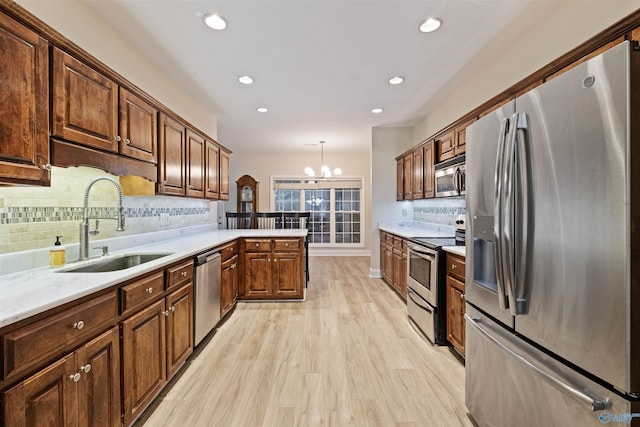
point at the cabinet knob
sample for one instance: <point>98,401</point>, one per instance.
<point>173,308</point>
<point>453,266</point>
<point>86,368</point>
<point>461,296</point>
<point>286,244</point>
<point>78,325</point>
<point>117,138</point>
<point>184,274</point>
<point>47,167</point>
<point>127,141</point>
<point>149,290</point>
<point>257,245</point>
<point>166,313</point>
<point>75,377</point>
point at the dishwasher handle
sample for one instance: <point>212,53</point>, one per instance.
<point>207,257</point>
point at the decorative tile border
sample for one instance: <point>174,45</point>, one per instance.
<point>22,215</point>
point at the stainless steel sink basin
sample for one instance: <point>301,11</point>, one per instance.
<point>121,262</point>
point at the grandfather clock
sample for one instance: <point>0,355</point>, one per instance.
<point>247,194</point>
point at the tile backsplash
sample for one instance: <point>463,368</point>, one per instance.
<point>31,217</point>
<point>440,210</point>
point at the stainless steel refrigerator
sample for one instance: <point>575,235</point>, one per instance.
<point>552,289</point>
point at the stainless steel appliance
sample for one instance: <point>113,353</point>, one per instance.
<point>552,251</point>
<point>425,286</point>
<point>451,177</point>
<point>207,293</point>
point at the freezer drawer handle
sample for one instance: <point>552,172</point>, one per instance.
<point>598,404</point>
<point>418,303</point>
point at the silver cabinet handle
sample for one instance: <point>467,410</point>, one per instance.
<point>184,274</point>
<point>75,377</point>
<point>78,325</point>
<point>166,313</point>
<point>127,141</point>
<point>47,167</point>
<point>86,368</point>
<point>257,245</point>
<point>453,266</point>
<point>117,138</point>
<point>595,404</point>
<point>173,308</point>
<point>149,290</point>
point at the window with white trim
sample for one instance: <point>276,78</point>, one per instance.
<point>335,205</point>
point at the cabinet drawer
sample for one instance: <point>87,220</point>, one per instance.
<point>388,238</point>
<point>397,242</point>
<point>257,245</point>
<point>228,251</point>
<point>285,245</point>
<point>180,274</point>
<point>141,291</point>
<point>46,338</point>
<point>455,266</point>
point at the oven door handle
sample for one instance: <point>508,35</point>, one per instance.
<point>411,294</point>
<point>426,253</point>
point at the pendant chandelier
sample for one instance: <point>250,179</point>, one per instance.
<point>325,171</point>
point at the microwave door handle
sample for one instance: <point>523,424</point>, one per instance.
<point>498,214</point>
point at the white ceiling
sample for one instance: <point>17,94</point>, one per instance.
<point>320,66</point>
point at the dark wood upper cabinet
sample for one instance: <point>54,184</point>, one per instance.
<point>407,176</point>
<point>195,164</point>
<point>212,170</point>
<point>171,156</point>
<point>138,127</point>
<point>400,179</point>
<point>428,170</point>
<point>445,148</point>
<point>224,175</point>
<point>417,185</point>
<point>24,110</point>
<point>85,104</point>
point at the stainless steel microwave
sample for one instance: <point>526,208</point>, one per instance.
<point>450,178</point>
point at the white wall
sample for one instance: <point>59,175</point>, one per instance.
<point>77,22</point>
<point>263,165</point>
<point>543,32</point>
<point>386,144</point>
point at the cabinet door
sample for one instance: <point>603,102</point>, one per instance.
<point>195,164</point>
<point>99,388</point>
<point>257,275</point>
<point>85,104</point>
<point>212,170</point>
<point>179,328</point>
<point>138,128</point>
<point>444,147</point>
<point>400,179</point>
<point>418,173</point>
<point>403,277</point>
<point>397,270</point>
<point>144,369</point>
<point>287,275</point>
<point>24,128</point>
<point>229,285</point>
<point>455,313</point>
<point>48,398</point>
<point>171,152</point>
<point>407,179</point>
<point>388,264</point>
<point>224,175</point>
<point>429,171</point>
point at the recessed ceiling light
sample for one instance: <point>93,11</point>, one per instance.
<point>215,21</point>
<point>396,80</point>
<point>431,24</point>
<point>245,80</point>
<point>262,109</point>
<point>377,110</point>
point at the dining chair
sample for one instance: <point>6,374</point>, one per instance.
<point>239,220</point>
<point>268,219</point>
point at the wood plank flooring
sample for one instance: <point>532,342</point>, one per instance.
<point>345,357</point>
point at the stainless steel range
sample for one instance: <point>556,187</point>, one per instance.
<point>425,286</point>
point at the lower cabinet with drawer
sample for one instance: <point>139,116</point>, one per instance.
<point>229,278</point>
<point>157,340</point>
<point>272,268</point>
<point>82,388</point>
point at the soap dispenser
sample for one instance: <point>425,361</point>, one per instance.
<point>57,254</point>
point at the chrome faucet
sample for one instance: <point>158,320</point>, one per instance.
<point>84,225</point>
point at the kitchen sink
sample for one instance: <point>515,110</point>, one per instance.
<point>116,263</point>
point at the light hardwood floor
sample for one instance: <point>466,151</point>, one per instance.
<point>345,357</point>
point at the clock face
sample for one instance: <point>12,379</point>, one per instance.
<point>247,194</point>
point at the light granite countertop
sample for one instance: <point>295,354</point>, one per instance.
<point>458,250</point>
<point>26,293</point>
<point>417,229</point>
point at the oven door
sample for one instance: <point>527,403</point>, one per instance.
<point>422,273</point>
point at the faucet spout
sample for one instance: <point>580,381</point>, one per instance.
<point>84,226</point>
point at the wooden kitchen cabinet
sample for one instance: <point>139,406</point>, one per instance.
<point>400,179</point>
<point>399,266</point>
<point>407,177</point>
<point>224,174</point>
<point>229,277</point>
<point>179,328</point>
<point>455,271</point>
<point>417,186</point>
<point>428,173</point>
<point>195,164</point>
<point>82,388</point>
<point>24,85</point>
<point>171,156</point>
<point>272,268</point>
<point>445,146</point>
<point>91,109</point>
<point>212,171</point>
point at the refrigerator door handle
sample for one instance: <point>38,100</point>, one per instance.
<point>498,225</point>
<point>596,404</point>
<point>507,231</point>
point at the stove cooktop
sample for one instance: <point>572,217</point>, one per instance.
<point>436,242</point>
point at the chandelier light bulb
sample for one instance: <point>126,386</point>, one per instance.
<point>337,171</point>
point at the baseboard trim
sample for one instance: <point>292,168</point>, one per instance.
<point>375,273</point>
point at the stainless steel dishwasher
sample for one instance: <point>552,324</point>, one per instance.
<point>207,295</point>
